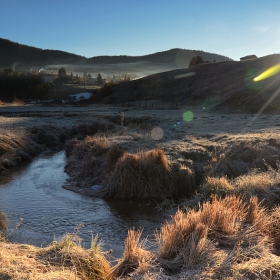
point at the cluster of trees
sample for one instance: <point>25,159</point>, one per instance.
<point>87,78</point>
<point>197,59</point>
<point>22,86</point>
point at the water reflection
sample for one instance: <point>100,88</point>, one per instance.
<point>34,193</point>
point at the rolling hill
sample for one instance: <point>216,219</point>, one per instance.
<point>24,57</point>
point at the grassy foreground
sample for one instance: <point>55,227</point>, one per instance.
<point>224,238</point>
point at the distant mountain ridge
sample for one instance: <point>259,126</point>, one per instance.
<point>11,52</point>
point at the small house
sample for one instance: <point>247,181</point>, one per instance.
<point>248,57</point>
<point>48,79</point>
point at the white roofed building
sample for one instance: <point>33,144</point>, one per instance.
<point>79,96</point>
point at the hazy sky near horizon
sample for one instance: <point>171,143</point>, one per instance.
<point>232,28</point>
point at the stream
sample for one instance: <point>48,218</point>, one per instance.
<point>39,210</point>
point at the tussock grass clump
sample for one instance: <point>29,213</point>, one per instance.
<point>146,174</point>
<point>113,155</point>
<point>241,156</point>
<point>193,234</point>
<point>84,158</point>
<point>183,180</point>
<point>134,255</point>
<point>87,264</point>
<point>265,185</point>
<point>16,147</point>
<point>63,260</point>
<point>95,160</point>
<point>274,227</point>
<point>93,145</point>
<point>223,238</point>
<point>50,136</point>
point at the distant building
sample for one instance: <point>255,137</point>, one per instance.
<point>248,57</point>
<point>79,96</point>
<point>48,79</point>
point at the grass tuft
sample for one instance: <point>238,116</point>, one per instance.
<point>146,174</point>
<point>134,255</point>
<point>87,264</point>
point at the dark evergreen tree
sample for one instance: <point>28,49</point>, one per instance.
<point>62,72</point>
<point>196,60</point>
<point>99,79</point>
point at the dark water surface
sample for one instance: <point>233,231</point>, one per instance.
<point>48,211</point>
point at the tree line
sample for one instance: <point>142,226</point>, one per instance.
<point>22,85</point>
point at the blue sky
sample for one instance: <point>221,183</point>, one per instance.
<point>233,28</point>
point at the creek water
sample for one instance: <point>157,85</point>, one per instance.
<point>39,210</point>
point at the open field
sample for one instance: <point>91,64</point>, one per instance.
<point>196,152</point>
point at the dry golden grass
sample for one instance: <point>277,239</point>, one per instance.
<point>217,223</point>
<point>147,174</point>
<point>15,147</point>
<point>239,154</point>
<point>125,175</point>
<point>61,260</point>
<point>84,158</point>
<point>225,238</point>
<point>265,185</point>
<point>135,255</point>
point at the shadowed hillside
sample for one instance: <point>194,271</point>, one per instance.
<point>225,85</point>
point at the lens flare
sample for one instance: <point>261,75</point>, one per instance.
<point>188,116</point>
<point>249,80</point>
<point>268,73</point>
<point>157,133</point>
<point>184,75</point>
